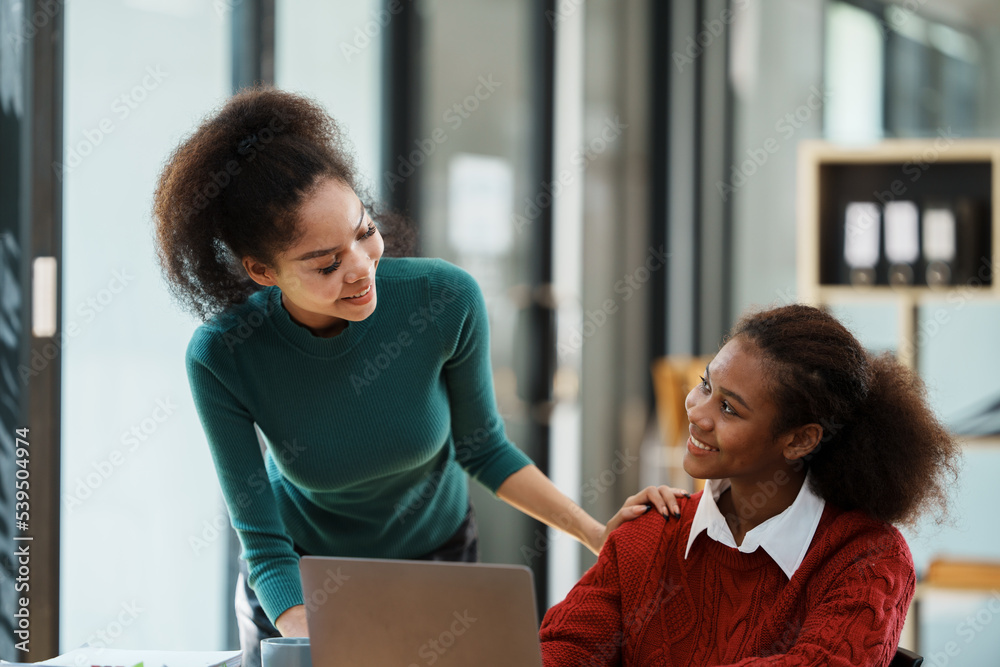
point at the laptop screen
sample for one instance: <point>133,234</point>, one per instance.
<point>376,612</point>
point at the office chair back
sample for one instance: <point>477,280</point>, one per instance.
<point>906,658</point>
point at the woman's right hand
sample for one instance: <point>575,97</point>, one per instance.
<point>292,622</point>
<point>662,499</point>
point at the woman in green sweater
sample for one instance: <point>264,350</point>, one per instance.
<point>336,427</point>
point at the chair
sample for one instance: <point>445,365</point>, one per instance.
<point>904,658</point>
<point>673,377</point>
<point>968,575</point>
<point>954,575</point>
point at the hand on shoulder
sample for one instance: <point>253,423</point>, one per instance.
<point>663,500</point>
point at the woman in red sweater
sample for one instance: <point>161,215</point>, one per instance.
<point>812,449</point>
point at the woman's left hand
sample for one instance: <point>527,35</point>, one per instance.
<point>662,499</point>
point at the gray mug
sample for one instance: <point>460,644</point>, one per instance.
<point>285,652</point>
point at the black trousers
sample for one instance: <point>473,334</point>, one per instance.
<point>254,625</point>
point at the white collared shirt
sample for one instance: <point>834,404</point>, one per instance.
<point>785,537</point>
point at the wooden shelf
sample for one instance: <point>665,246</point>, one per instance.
<point>917,170</point>
<point>885,293</point>
<point>979,441</point>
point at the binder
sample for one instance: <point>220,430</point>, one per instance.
<point>973,265</point>
<point>902,241</point>
<point>862,233</point>
<point>939,243</point>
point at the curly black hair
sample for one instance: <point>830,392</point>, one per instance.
<point>233,189</point>
<point>883,450</point>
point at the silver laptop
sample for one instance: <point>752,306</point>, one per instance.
<point>401,613</point>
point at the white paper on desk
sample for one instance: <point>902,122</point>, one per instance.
<point>86,656</point>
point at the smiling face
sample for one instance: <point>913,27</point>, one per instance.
<point>327,277</point>
<point>731,414</point>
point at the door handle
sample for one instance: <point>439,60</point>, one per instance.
<point>44,297</point>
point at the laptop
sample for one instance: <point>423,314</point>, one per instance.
<point>366,612</point>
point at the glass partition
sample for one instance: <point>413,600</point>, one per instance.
<point>332,51</point>
<point>143,523</point>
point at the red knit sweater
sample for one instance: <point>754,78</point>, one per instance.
<point>643,604</point>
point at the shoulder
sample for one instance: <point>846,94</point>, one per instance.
<point>856,526</point>
<point>435,272</point>
<point>204,345</point>
<point>853,538</point>
<point>409,268</point>
<point>643,537</point>
<point>640,551</point>
<point>446,284</point>
<point>222,333</point>
<point>251,311</point>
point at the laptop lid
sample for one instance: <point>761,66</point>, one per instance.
<point>374,612</point>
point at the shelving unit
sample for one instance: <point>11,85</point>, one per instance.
<point>918,170</point>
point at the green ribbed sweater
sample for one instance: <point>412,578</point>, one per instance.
<point>366,433</point>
